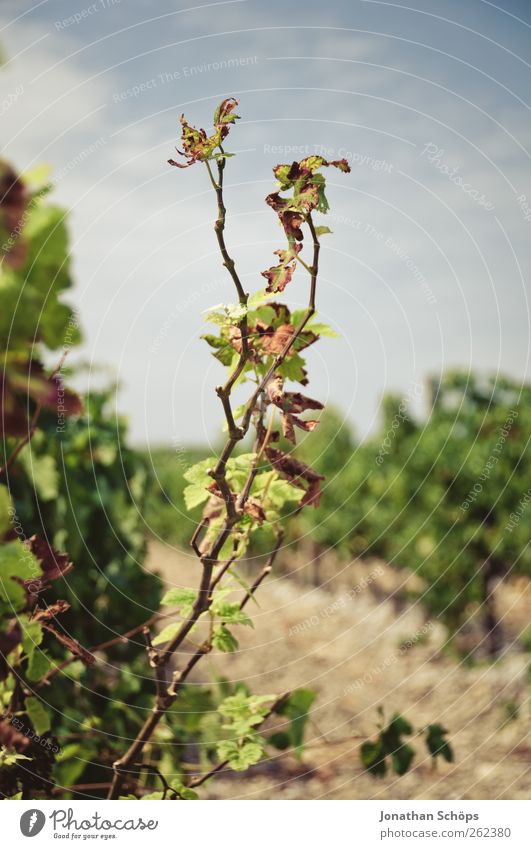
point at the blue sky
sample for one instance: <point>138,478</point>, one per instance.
<point>428,264</point>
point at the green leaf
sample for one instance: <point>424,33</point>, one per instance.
<point>5,507</point>
<point>226,315</point>
<point>322,230</point>
<point>280,492</point>
<point>257,299</point>
<point>299,702</point>
<point>280,740</point>
<point>179,597</point>
<point>293,368</point>
<point>321,329</point>
<point>297,708</point>
<point>400,725</point>
<point>38,715</point>
<point>317,327</point>
<point>9,759</point>
<point>199,479</point>
<point>198,472</point>
<point>223,640</point>
<point>194,495</point>
<point>16,561</point>
<point>402,758</point>
<point>71,763</point>
<point>39,665</point>
<point>244,712</point>
<point>166,634</point>
<point>183,791</point>
<point>38,177</point>
<point>437,744</point>
<point>224,351</point>
<point>239,757</point>
<point>230,613</point>
<point>31,635</point>
<point>373,758</point>
<point>43,474</point>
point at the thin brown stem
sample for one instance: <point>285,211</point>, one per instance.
<point>166,695</point>
<point>115,641</point>
<point>264,572</point>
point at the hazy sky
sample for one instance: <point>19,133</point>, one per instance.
<point>429,261</point>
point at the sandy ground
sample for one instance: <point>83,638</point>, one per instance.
<point>359,644</point>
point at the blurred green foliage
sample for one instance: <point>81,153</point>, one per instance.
<point>445,495</point>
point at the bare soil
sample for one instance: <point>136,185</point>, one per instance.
<point>360,643</point>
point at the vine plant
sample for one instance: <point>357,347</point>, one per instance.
<point>260,341</point>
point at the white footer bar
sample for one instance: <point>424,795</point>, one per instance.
<point>267,825</point>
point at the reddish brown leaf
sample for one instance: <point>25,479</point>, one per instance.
<point>197,146</point>
<point>28,381</point>
<point>14,200</point>
<point>71,644</point>
<point>14,421</point>
<point>278,276</point>
<point>274,341</point>
<point>287,427</point>
<point>275,390</point>
<point>305,424</point>
<point>53,564</point>
<point>291,403</point>
<point>254,509</point>
<point>216,491</point>
<point>297,473</point>
<point>212,509</point>
<point>45,614</point>
<point>224,115</point>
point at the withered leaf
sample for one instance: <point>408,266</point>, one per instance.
<point>45,614</point>
<point>298,474</point>
<point>291,404</point>
<point>278,276</point>
<point>273,341</point>
<point>254,509</point>
<point>14,199</point>
<point>71,644</point>
<point>54,565</point>
<point>197,145</point>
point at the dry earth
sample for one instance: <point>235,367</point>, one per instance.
<point>359,643</point>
